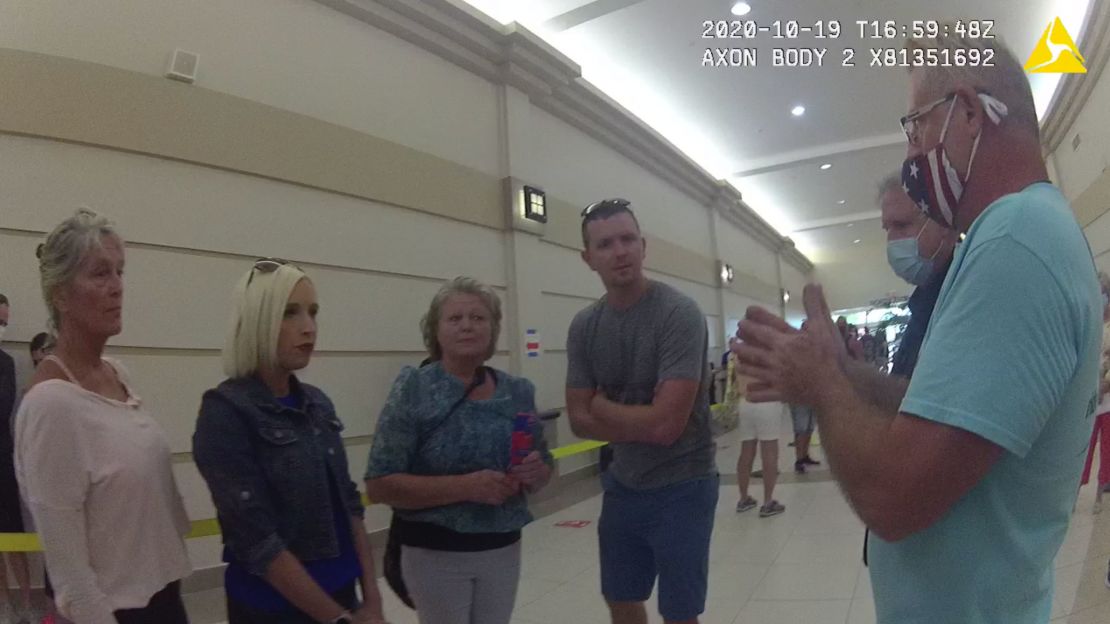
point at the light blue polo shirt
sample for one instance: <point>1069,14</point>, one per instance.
<point>1012,355</point>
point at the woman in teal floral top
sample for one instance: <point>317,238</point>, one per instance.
<point>441,458</point>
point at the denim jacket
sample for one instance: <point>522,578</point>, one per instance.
<point>267,467</point>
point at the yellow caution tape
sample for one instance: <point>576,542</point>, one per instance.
<point>29,542</point>
<point>576,449</point>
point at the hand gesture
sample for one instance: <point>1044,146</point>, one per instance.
<point>490,487</point>
<point>532,472</point>
<point>789,365</point>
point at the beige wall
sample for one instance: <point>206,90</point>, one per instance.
<point>370,162</point>
<point>578,168</point>
<point>295,55</point>
<point>855,278</point>
<point>1083,172</point>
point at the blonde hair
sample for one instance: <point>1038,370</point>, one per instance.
<point>61,255</point>
<point>1005,79</point>
<point>429,324</point>
<point>258,307</point>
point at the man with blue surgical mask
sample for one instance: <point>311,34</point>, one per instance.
<point>966,473</point>
<point>919,251</point>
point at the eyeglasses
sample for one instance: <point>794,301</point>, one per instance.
<point>910,122</point>
<point>267,265</point>
<point>614,203</point>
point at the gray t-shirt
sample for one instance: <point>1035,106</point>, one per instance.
<point>625,354</point>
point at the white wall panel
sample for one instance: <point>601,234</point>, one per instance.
<point>1078,167</point>
<point>739,249</point>
<point>568,273</point>
<point>295,55</point>
<point>180,205</point>
<point>559,311</point>
<point>573,166</point>
<point>856,278</point>
<point>1098,234</point>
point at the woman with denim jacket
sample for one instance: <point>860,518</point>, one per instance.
<point>270,449</point>
<point>441,458</point>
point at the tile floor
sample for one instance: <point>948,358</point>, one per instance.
<point>801,566</point>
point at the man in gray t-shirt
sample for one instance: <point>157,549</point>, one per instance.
<point>637,377</point>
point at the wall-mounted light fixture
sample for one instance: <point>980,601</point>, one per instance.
<point>785,296</point>
<point>535,204</point>
<point>526,208</point>
<point>727,274</point>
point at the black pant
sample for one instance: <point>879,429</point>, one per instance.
<point>165,607</point>
<point>241,614</point>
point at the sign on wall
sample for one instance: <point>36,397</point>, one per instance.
<point>532,343</point>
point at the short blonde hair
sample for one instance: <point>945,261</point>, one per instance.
<point>1005,80</point>
<point>258,307</point>
<point>65,247</point>
<point>429,324</point>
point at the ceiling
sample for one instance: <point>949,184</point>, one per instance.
<point>736,122</point>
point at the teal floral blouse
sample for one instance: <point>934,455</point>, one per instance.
<point>415,435</point>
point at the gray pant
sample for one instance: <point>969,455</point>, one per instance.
<point>462,587</point>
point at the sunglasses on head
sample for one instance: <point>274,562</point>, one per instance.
<point>615,202</point>
<point>267,265</point>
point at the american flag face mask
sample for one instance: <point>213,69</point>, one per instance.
<point>930,179</point>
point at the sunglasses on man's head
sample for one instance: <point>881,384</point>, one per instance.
<point>615,202</point>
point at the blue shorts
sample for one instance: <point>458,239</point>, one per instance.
<point>660,533</point>
<point>803,419</point>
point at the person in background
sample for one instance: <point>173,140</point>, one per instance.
<point>882,351</point>
<point>441,458</point>
<point>848,335</point>
<point>760,426</point>
<point>867,344</point>
<point>1101,429</point>
<point>41,345</point>
<point>855,346</point>
<point>918,250</point>
<point>94,467</point>
<point>11,510</point>
<point>270,448</point>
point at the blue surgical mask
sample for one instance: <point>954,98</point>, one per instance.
<point>905,258</point>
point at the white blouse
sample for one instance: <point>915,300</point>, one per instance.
<point>97,477</point>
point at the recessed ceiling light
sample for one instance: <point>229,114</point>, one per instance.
<point>741,8</point>
<point>798,111</point>
<point>856,242</point>
<point>851,224</point>
<point>841,202</point>
<point>826,166</point>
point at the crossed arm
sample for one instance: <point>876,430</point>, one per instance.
<point>662,422</point>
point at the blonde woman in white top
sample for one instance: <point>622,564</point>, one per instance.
<point>93,465</point>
